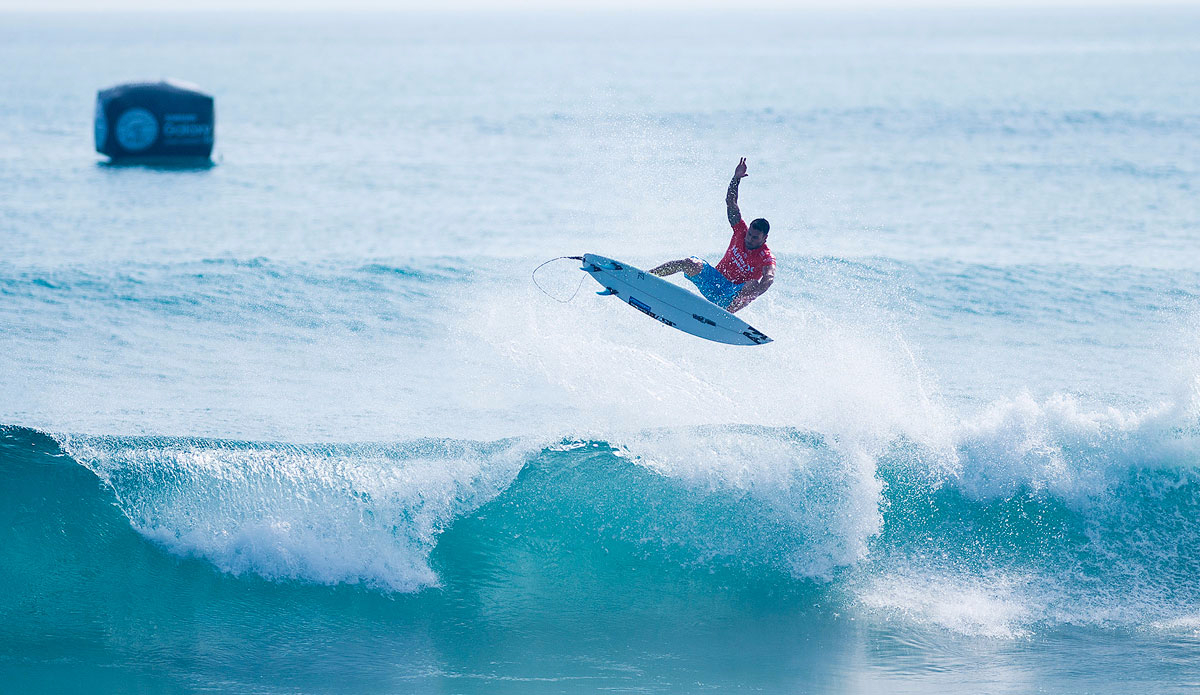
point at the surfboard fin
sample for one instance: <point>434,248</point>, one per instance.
<point>606,291</point>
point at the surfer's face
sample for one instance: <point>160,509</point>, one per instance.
<point>755,238</point>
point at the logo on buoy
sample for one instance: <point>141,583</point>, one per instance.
<point>137,129</point>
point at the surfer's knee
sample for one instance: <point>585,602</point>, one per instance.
<point>691,266</point>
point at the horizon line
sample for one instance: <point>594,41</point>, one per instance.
<point>621,6</point>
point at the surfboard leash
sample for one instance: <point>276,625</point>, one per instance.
<point>533,276</point>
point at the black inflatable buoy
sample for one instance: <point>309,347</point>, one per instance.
<point>154,120</point>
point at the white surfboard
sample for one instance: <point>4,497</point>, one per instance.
<point>670,303</point>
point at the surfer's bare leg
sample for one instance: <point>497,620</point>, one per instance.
<point>689,266</point>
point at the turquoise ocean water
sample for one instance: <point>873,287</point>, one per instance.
<point>302,421</point>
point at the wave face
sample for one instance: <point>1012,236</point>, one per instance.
<point>1035,515</point>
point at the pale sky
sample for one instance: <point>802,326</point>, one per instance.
<point>433,5</point>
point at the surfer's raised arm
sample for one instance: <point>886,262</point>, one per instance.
<point>746,270</point>
<point>735,215</point>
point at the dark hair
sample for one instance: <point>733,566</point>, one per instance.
<point>761,225</point>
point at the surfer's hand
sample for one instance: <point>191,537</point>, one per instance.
<point>741,300</point>
<point>740,170</point>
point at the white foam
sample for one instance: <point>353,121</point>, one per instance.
<point>1186,623</point>
<point>1061,448</point>
<point>990,605</point>
<point>357,515</point>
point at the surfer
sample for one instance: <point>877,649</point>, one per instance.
<point>746,270</point>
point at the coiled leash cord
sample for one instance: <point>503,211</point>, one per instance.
<point>533,276</point>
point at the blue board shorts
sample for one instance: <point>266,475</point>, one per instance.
<point>715,287</point>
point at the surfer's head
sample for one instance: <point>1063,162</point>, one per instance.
<point>756,235</point>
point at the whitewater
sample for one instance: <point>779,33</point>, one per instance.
<point>302,421</point>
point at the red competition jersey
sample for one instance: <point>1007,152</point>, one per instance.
<point>740,265</point>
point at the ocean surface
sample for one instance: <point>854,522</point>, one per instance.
<point>304,422</point>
